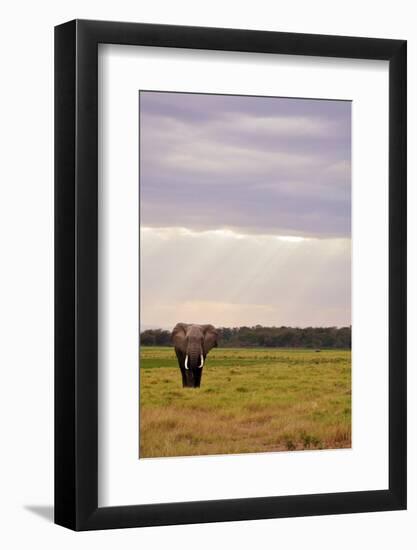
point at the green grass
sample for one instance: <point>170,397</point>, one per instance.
<point>250,400</point>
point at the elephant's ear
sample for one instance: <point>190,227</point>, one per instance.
<point>178,336</point>
<point>210,338</point>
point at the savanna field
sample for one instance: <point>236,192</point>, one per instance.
<point>250,400</point>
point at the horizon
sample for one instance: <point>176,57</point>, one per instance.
<point>166,329</point>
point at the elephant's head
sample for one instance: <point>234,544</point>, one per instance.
<point>192,344</point>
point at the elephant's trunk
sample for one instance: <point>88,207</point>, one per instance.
<point>200,366</point>
<point>195,357</point>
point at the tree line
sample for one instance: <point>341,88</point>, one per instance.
<point>269,337</point>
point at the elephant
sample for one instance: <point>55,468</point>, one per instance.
<point>192,344</point>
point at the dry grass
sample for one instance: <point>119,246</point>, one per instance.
<point>250,401</point>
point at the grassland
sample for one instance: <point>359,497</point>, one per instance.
<point>250,400</point>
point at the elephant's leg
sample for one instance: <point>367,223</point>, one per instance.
<point>181,363</point>
<point>198,375</point>
<point>180,356</point>
<point>184,378</point>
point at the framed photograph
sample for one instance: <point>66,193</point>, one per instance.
<point>230,275</point>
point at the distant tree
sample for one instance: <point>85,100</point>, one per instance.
<point>155,337</point>
<point>270,337</point>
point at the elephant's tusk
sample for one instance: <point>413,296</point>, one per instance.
<point>202,362</point>
<point>186,362</point>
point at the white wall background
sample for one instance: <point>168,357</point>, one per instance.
<point>26,274</point>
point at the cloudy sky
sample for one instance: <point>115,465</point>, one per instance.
<point>245,210</point>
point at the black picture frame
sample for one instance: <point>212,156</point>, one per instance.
<point>76,272</point>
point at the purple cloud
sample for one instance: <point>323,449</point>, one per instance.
<point>255,165</point>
